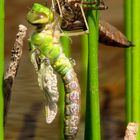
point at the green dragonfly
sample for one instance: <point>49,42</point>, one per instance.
<point>47,55</point>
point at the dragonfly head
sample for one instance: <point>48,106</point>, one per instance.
<point>39,15</point>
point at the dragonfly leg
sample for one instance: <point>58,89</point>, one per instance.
<point>74,33</point>
<point>59,7</point>
<point>84,17</point>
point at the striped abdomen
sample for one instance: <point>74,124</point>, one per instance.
<point>109,35</point>
<point>72,104</point>
<point>72,95</point>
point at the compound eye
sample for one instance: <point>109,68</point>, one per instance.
<point>42,15</point>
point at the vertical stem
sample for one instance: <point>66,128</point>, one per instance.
<point>84,64</point>
<point>66,48</point>
<point>136,58</point>
<point>136,61</point>
<point>1,66</point>
<point>128,59</point>
<point>92,126</point>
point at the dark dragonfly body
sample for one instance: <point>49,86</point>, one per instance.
<point>73,19</point>
<point>47,55</point>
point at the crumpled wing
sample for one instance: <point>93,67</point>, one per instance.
<point>48,83</point>
<point>109,35</point>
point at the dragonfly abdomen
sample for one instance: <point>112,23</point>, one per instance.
<point>72,95</point>
<point>72,104</point>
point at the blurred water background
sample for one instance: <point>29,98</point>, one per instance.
<point>26,118</point>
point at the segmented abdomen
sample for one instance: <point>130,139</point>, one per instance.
<point>110,35</point>
<point>72,104</point>
<point>72,96</point>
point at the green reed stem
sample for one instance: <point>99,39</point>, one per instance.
<point>1,66</point>
<point>84,65</point>
<point>128,59</point>
<point>92,126</point>
<point>66,48</point>
<point>136,61</point>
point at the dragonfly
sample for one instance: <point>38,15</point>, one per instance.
<point>47,56</point>
<point>73,19</point>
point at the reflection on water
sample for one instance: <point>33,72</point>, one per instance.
<point>112,118</point>
<point>29,121</point>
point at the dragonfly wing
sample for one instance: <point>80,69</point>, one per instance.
<point>109,35</point>
<point>48,83</point>
<point>51,111</point>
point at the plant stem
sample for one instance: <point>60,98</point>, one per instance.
<point>92,126</point>
<point>136,61</point>
<point>1,66</point>
<point>128,60</point>
<point>66,48</point>
<point>84,65</point>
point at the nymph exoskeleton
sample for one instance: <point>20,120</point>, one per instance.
<point>45,45</point>
<point>74,21</point>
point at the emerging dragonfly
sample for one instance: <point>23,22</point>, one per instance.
<point>74,18</point>
<point>46,56</point>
